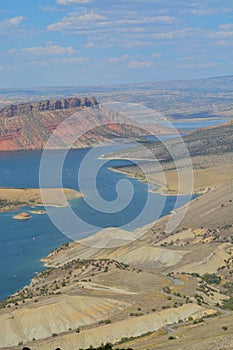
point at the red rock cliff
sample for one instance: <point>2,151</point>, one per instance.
<point>28,126</point>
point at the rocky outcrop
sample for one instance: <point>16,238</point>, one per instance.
<point>30,108</point>
<point>28,126</point>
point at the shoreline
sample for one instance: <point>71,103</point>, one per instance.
<point>12,199</point>
<point>131,158</point>
<point>44,260</point>
<point>158,187</point>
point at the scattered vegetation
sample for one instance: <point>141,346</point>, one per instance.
<point>211,278</point>
<point>107,346</point>
<point>105,321</point>
<point>228,304</point>
<point>5,203</point>
<point>171,337</point>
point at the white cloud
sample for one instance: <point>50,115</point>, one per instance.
<point>132,30</point>
<point>140,64</point>
<point>1,67</point>
<point>224,31</point>
<point>75,60</point>
<point>146,20</point>
<point>221,34</point>
<point>118,59</point>
<point>173,34</point>
<point>226,26</point>
<point>156,55</point>
<point>13,25</point>
<point>76,22</point>
<point>70,2</point>
<point>132,43</point>
<point>202,12</point>
<point>51,9</point>
<point>224,43</point>
<point>107,29</point>
<point>12,22</point>
<point>91,16</point>
<point>168,35</point>
<point>103,29</point>
<point>10,52</point>
<point>58,61</point>
<point>200,65</point>
<point>89,45</point>
<point>49,50</point>
<point>112,37</point>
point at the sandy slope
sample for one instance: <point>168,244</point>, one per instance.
<point>136,254</point>
<point>210,263</point>
<point>126,328</point>
<point>43,320</point>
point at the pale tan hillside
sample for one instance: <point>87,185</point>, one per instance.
<point>53,317</point>
<point>209,335</point>
<point>208,220</point>
<point>127,328</point>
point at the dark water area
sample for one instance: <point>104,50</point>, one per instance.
<point>24,243</point>
<point>197,124</point>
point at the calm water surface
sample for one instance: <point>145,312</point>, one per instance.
<point>196,124</point>
<point>23,244</point>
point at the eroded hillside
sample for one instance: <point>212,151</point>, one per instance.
<point>28,126</point>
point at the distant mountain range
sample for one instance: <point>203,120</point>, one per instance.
<point>196,98</point>
<point>27,124</point>
<point>223,83</point>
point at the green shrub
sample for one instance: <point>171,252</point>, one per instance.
<point>171,337</point>
<point>228,304</point>
<point>211,278</point>
<point>107,321</point>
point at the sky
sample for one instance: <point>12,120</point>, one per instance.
<point>98,42</point>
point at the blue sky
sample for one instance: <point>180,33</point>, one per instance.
<point>96,42</point>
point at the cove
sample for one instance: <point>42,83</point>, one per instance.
<point>23,244</point>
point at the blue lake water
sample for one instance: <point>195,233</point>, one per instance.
<point>23,244</point>
<point>196,124</point>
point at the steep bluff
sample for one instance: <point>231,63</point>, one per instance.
<point>28,126</point>
<point>47,105</point>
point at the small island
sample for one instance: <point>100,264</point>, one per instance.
<point>22,216</point>
<point>38,212</point>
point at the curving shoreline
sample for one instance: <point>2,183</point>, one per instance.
<point>157,187</point>
<point>15,198</point>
